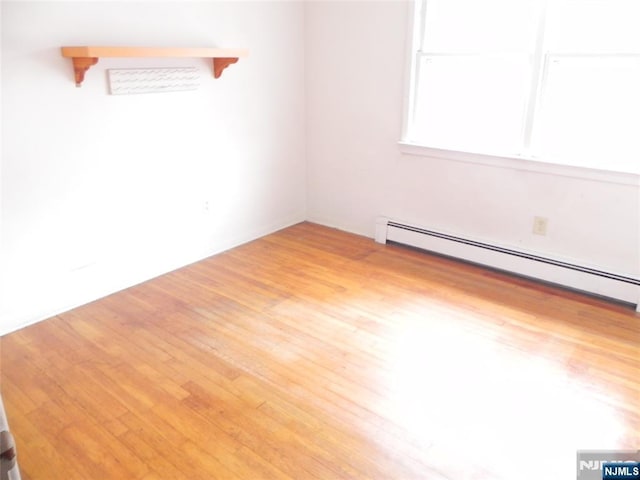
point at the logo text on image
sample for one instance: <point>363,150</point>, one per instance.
<point>590,463</point>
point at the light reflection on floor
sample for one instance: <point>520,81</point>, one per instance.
<point>473,402</point>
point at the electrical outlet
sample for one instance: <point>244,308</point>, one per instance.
<point>540,225</point>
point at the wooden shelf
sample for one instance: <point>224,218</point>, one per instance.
<point>85,57</point>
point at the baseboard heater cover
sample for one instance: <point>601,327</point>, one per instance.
<point>617,286</point>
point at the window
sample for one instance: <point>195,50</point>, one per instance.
<point>555,80</point>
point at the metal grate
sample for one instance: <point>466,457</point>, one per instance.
<point>127,81</point>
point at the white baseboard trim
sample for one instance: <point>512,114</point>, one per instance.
<point>563,272</point>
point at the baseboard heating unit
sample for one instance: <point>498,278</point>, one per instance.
<point>588,279</point>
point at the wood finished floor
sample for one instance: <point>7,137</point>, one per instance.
<point>316,354</point>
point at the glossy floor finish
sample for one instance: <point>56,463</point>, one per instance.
<point>316,354</point>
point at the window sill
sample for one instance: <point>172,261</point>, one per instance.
<point>520,163</point>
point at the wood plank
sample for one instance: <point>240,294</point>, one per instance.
<point>313,353</point>
<point>118,51</point>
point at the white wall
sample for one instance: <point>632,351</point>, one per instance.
<point>355,82</point>
<point>100,192</point>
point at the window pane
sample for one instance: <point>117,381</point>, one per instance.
<point>471,103</point>
<point>593,26</point>
<point>590,113</point>
<point>480,26</point>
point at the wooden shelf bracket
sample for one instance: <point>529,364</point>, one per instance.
<point>80,67</point>
<point>220,63</point>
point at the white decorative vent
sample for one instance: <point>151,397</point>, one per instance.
<point>126,81</point>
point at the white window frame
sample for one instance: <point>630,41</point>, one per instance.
<point>525,161</point>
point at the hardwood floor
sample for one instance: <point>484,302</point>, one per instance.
<point>316,354</point>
